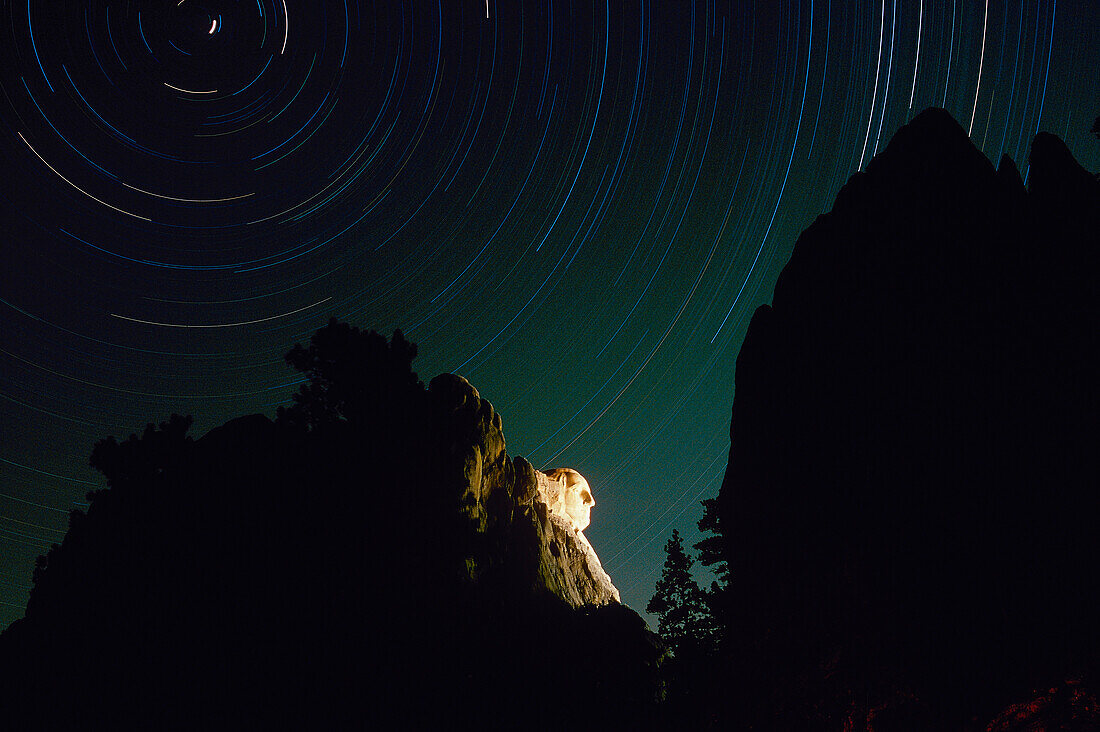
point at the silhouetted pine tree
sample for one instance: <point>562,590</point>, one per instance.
<point>712,551</point>
<point>354,377</point>
<point>712,555</point>
<point>685,621</point>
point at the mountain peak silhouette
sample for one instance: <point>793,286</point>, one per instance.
<point>1058,178</point>
<point>930,148</point>
<point>933,132</point>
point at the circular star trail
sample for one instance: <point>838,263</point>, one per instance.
<point>575,205</point>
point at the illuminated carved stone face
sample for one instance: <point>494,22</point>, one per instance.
<point>576,496</point>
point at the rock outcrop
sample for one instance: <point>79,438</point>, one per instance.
<point>568,565</point>
<point>532,522</point>
<point>910,503</point>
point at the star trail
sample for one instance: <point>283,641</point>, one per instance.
<point>577,206</point>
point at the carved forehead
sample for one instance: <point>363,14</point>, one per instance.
<point>567,476</point>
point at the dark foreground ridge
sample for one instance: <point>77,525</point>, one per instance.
<point>911,501</point>
<point>373,558</point>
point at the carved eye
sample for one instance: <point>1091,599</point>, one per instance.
<point>586,497</point>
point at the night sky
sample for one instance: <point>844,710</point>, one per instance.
<point>576,206</point>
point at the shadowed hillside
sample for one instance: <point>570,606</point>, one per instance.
<point>371,557</point>
<point>911,503</point>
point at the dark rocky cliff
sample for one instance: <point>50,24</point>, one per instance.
<point>912,492</point>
